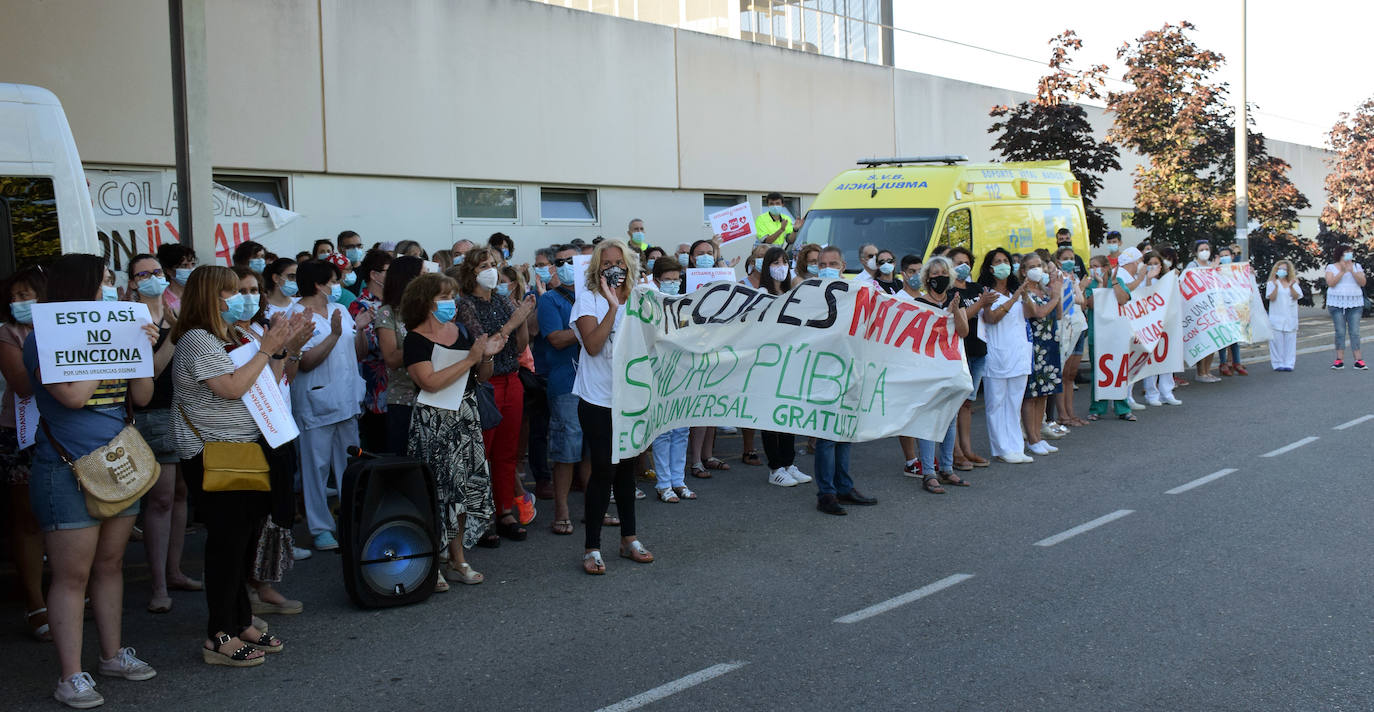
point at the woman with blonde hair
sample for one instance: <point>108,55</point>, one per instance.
<point>610,277</point>
<point>1283,294</point>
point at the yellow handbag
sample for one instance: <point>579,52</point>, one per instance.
<point>115,475</point>
<point>232,467</point>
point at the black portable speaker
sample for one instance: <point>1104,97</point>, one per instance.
<point>388,531</point>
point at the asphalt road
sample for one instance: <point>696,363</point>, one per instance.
<point>1244,592</point>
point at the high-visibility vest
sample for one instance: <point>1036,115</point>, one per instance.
<point>766,224</point>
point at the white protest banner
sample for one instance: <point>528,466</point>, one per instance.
<point>26,420</point>
<point>733,223</point>
<point>827,358</point>
<point>1217,305</point>
<point>1119,358</point>
<point>450,398</point>
<point>698,277</point>
<point>86,341</point>
<point>264,401</point>
<point>135,211</point>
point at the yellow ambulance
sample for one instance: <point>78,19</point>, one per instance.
<point>913,205</point>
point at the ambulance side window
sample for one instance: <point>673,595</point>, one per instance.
<point>958,231</point>
<point>28,222</point>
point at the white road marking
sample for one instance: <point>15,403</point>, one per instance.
<point>1087,526</point>
<point>1202,480</point>
<point>1291,446</point>
<point>1353,423</point>
<point>674,687</point>
<point>904,599</point>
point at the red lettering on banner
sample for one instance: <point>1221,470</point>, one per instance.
<point>902,308</point>
<point>915,330</point>
<point>1104,370</point>
<point>865,301</point>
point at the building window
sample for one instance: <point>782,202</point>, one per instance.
<point>266,189</point>
<point>715,202</point>
<point>486,203</point>
<point>577,204</point>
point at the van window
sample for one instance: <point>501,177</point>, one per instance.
<point>958,230</point>
<point>904,231</point>
<point>28,222</point>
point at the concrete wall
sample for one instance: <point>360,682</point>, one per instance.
<point>372,110</point>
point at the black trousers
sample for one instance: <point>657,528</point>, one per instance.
<point>596,435</point>
<point>372,432</point>
<point>397,429</point>
<point>537,415</point>
<point>233,523</point>
<point>779,448</point>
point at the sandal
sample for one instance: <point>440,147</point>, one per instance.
<point>260,624</point>
<point>562,527</point>
<point>751,458</point>
<point>490,540</point>
<point>636,553</point>
<point>667,495</point>
<point>245,656</point>
<point>592,563</point>
<point>1127,417</point>
<point>1094,417</point>
<point>684,493</point>
<point>440,585</point>
<point>462,573</point>
<point>160,604</point>
<point>185,584</point>
<point>977,461</point>
<point>949,478</point>
<point>511,530</point>
<point>963,465</point>
<point>700,472</point>
<point>41,631</point>
<point>607,520</point>
<point>266,642</point>
<point>932,485</point>
<point>715,463</point>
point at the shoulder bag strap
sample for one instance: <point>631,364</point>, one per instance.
<point>186,420</point>
<point>61,451</point>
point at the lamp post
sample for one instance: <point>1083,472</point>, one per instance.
<point>1242,157</point>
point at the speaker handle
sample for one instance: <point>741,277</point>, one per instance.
<point>355,451</point>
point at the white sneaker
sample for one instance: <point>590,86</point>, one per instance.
<point>1040,448</point>
<point>1134,405</point>
<point>1048,431</point>
<point>1060,428</point>
<point>126,665</point>
<point>299,554</point>
<point>1016,458</point>
<point>801,477</point>
<point>780,478</point>
<point>1173,401</point>
<point>78,691</point>
<point>1049,447</point>
<point>1151,401</point>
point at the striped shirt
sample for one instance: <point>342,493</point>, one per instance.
<point>109,392</point>
<point>199,357</point>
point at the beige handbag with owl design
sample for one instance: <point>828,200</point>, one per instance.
<point>113,477</point>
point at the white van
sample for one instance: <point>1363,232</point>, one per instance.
<point>45,204</point>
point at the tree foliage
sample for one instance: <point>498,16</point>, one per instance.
<point>1178,117</point>
<point>1350,184</point>
<point>1052,127</point>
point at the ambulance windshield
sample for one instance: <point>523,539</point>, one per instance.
<point>904,231</point>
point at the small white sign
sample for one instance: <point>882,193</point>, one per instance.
<point>450,398</point>
<point>697,277</point>
<point>430,267</point>
<point>733,223</point>
<point>26,420</point>
<point>264,401</point>
<point>580,265</point>
<point>87,341</point>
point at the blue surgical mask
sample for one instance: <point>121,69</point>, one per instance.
<point>444,310</point>
<point>335,290</point>
<point>758,264</point>
<point>886,267</point>
<point>458,258</point>
<point>1281,272</point>
<point>1225,259</point>
<point>354,254</point>
<point>108,293</point>
<point>505,253</point>
<point>182,274</point>
<point>257,264</point>
<point>639,237</point>
<point>290,288</point>
<point>962,272</point>
<point>1113,247</point>
<point>152,286</point>
<point>670,287</point>
<point>248,306</point>
<point>236,305</point>
<point>503,289</point>
<point>543,273</point>
<point>565,274</point>
<point>1001,271</point>
<point>705,261</point>
<point>829,273</point>
<point>682,258</point>
<point>812,269</point>
<point>22,311</point>
<point>350,279</point>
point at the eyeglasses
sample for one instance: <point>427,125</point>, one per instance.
<point>562,262</point>
<point>146,274</point>
<point>886,262</point>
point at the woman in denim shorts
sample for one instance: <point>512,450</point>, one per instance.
<point>85,553</point>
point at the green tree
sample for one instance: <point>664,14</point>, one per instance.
<point>1178,117</point>
<point>1052,127</point>
<point>1350,184</point>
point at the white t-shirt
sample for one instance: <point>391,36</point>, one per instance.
<point>331,393</point>
<point>1009,348</point>
<point>272,310</point>
<point>594,373</point>
<point>1283,311</point>
<point>1347,293</point>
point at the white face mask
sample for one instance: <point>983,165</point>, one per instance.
<point>871,263</point>
<point>1204,255</point>
<point>777,272</point>
<point>1035,274</point>
<point>488,278</point>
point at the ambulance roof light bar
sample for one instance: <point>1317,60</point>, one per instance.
<point>947,160</point>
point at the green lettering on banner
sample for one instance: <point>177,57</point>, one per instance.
<point>817,375</point>
<point>638,384</point>
<point>758,361</point>
<point>786,361</point>
<point>734,361</point>
<point>879,394</point>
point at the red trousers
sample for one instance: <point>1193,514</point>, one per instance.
<point>503,441</point>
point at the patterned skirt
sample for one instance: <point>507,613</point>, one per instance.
<point>450,442</point>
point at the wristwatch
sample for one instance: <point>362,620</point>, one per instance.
<point>279,356</point>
